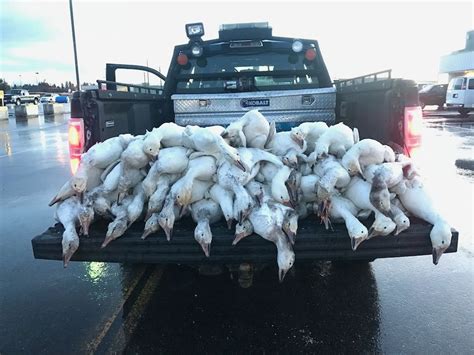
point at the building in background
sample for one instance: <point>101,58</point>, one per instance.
<point>459,62</point>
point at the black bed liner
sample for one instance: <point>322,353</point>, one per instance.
<point>313,242</point>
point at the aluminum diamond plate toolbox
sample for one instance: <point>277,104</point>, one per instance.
<point>280,106</point>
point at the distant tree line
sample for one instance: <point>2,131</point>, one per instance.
<point>41,87</point>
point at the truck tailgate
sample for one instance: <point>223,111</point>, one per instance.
<point>313,242</point>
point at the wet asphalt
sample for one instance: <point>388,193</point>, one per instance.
<point>404,305</point>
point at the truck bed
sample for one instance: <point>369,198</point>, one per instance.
<point>313,242</point>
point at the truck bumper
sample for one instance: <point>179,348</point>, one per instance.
<point>313,242</point>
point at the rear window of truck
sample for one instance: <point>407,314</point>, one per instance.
<point>268,70</point>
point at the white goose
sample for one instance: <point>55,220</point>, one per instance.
<point>172,160</point>
<point>209,143</point>
<point>164,182</point>
<point>364,153</point>
<point>135,208</point>
<point>152,225</point>
<point>399,217</point>
<point>417,201</point>
<point>343,209</point>
<point>251,130</point>
<point>284,142</point>
<point>169,214</point>
<point>358,192</point>
<point>311,132</point>
<point>119,225</point>
<point>262,222</point>
<point>336,140</point>
<point>225,199</point>
<point>101,155</point>
<point>204,213</point>
<point>201,168</point>
<point>169,134</point>
<point>67,214</point>
<point>332,175</point>
<point>86,215</point>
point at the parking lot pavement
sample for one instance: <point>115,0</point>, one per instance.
<point>390,305</point>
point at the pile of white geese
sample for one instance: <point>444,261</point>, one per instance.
<point>247,173</point>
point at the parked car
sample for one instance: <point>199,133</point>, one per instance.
<point>20,96</point>
<point>48,98</point>
<point>62,99</point>
<point>460,94</point>
<point>433,95</point>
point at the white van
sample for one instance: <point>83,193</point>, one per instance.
<point>460,94</point>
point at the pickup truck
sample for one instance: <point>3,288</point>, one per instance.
<point>216,81</point>
<point>21,96</point>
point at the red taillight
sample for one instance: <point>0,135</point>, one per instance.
<point>413,128</point>
<point>182,59</point>
<point>310,54</point>
<point>76,142</point>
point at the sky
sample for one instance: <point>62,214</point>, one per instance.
<point>355,37</point>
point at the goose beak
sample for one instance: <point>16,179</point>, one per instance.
<point>239,164</point>
<point>206,248</point>
<point>182,211</point>
<point>225,134</point>
<point>146,233</point>
<point>168,232</point>
<point>281,274</point>
<point>291,236</point>
<point>238,237</point>
<point>372,233</point>
<point>437,253</point>
<point>107,240</point>
<point>288,203</point>
<point>67,257</point>
<point>355,242</point>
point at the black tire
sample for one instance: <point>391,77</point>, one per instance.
<point>18,102</point>
<point>463,112</point>
<point>35,101</point>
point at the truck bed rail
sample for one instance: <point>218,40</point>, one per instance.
<point>313,242</point>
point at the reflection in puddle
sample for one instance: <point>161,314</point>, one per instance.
<point>95,271</point>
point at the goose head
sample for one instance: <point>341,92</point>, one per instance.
<point>234,136</point>
<point>151,225</point>
<point>382,226</point>
<point>285,260</point>
<point>242,230</point>
<point>255,190</point>
<point>298,136</point>
<point>440,236</point>
<point>351,164</point>
<point>166,220</point>
<point>232,156</point>
<point>358,233</point>
<point>70,244</point>
<point>402,222</point>
<point>379,195</point>
<point>290,226</point>
<point>184,195</point>
<point>79,183</point>
<point>279,190</point>
<point>115,229</point>
<point>151,146</point>
<point>203,235</point>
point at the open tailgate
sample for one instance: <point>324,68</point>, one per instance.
<point>313,242</point>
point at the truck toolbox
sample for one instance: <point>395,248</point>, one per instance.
<point>313,242</point>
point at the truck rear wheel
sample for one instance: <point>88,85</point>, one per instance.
<point>18,102</point>
<point>35,101</point>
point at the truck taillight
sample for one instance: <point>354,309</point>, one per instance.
<point>413,128</point>
<point>76,142</point>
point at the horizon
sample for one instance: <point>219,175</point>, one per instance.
<point>405,37</point>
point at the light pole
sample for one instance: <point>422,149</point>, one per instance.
<point>37,78</point>
<point>74,45</point>
<point>21,84</point>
